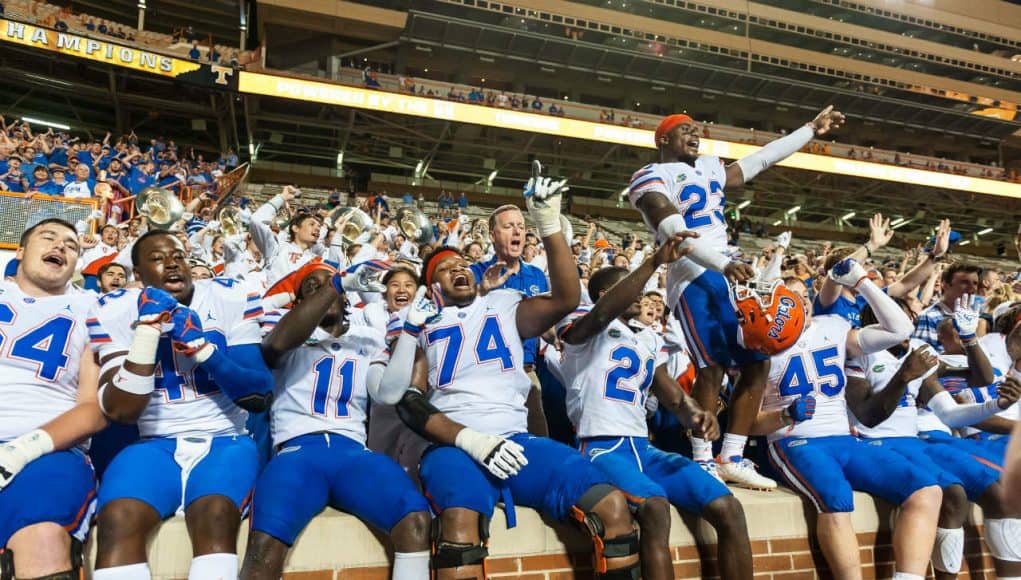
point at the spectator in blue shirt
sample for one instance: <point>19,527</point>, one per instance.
<point>38,176</point>
<point>507,231</point>
<point>462,202</point>
<point>140,177</point>
<point>90,25</point>
<point>55,184</point>
<point>13,179</point>
<point>408,199</point>
<point>195,53</point>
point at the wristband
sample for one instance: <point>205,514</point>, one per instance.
<point>412,329</point>
<point>132,383</point>
<point>970,342</point>
<point>203,353</point>
<point>34,444</point>
<point>868,251</point>
<point>144,345</point>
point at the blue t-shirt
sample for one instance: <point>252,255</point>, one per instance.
<point>842,307</point>
<point>530,281</point>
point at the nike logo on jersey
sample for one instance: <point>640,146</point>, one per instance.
<point>67,307</point>
<point>209,316</point>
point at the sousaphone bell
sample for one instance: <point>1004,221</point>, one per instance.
<point>355,223</point>
<point>414,225</point>
<point>160,207</point>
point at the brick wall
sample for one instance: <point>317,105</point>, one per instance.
<point>774,559</point>
<point>337,546</point>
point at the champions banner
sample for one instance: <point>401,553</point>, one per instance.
<point>116,54</point>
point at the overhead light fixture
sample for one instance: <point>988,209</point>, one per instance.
<point>34,121</point>
<point>423,48</point>
<point>487,59</point>
<point>900,224</point>
<point>964,243</point>
<point>793,210</point>
<point>848,215</point>
<point>547,69</point>
<point>492,176</point>
<point>777,222</point>
<point>744,204</point>
<point>986,231</point>
<point>897,222</point>
<point>340,159</point>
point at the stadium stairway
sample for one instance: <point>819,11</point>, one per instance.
<point>336,546</point>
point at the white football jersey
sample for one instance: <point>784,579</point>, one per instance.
<point>186,400</point>
<point>608,377</point>
<point>476,364</point>
<point>321,386</point>
<point>813,366</point>
<point>697,193</point>
<point>41,344</point>
<point>878,368</point>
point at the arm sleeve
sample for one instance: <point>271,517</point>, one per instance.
<point>702,252</point>
<point>239,370</point>
<point>956,415</point>
<point>263,238</point>
<point>774,152</point>
<point>894,326</point>
<point>390,385</point>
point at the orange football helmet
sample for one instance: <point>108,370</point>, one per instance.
<point>771,318</point>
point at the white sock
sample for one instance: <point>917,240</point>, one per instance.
<point>906,576</point>
<point>214,567</point>
<point>129,572</point>
<point>411,566</point>
<point>701,450</point>
<point>733,447</point>
<point>948,552</point>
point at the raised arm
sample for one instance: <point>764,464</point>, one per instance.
<point>920,273</point>
<point>615,301</point>
<point>745,169</point>
<point>880,234</point>
<point>538,313</point>
<point>894,326</point>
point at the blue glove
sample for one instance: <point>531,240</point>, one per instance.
<point>802,409</point>
<point>361,277</point>
<point>155,306</point>
<point>187,336</point>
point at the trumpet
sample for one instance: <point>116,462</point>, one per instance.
<point>355,223</point>
<point>160,207</point>
<point>415,225</point>
<point>230,222</point>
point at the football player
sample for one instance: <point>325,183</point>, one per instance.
<point>318,425</point>
<point>464,363</point>
<point>48,408</point>
<point>684,191</point>
<point>811,444</point>
<point>609,367</point>
<point>185,364</point>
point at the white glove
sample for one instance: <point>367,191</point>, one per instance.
<point>848,273</point>
<point>96,215</point>
<point>542,197</point>
<point>966,316</point>
<point>421,311</point>
<point>213,224</point>
<point>502,457</point>
<point>361,277</point>
<point>16,454</point>
<point>784,240</point>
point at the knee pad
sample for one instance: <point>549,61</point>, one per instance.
<point>6,565</point>
<point>948,552</point>
<point>452,554</point>
<point>1002,538</point>
<point>617,547</point>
